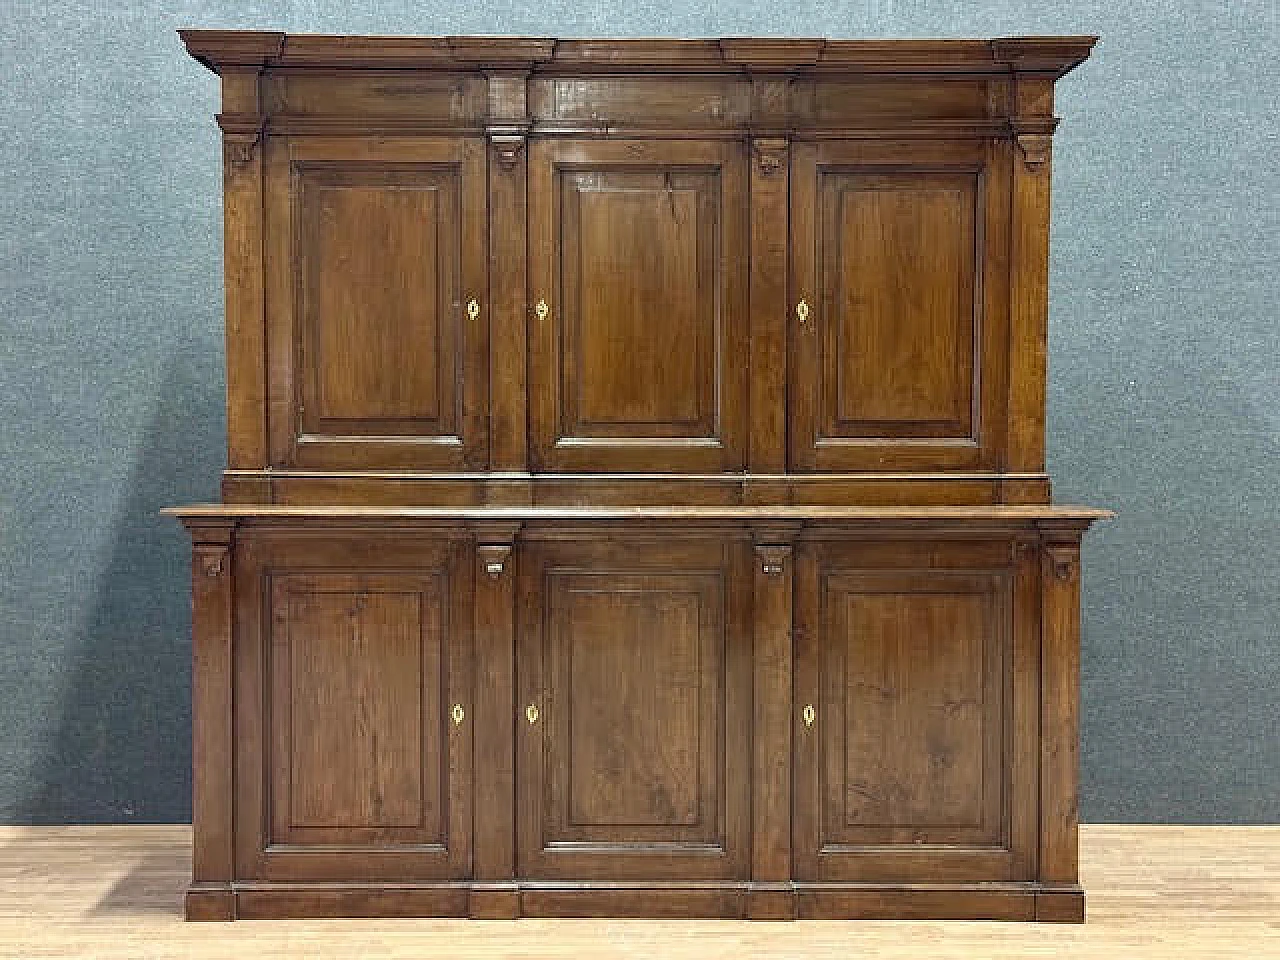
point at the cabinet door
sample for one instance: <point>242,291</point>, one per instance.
<point>377,249</point>
<point>898,356</point>
<point>637,291</point>
<point>916,762</point>
<point>351,654</point>
<point>636,659</point>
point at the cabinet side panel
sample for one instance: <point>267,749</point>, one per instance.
<point>1029,277</point>
<point>242,204</point>
<point>211,695</point>
<point>1060,713</point>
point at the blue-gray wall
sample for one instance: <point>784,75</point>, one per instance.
<point>1164,399</point>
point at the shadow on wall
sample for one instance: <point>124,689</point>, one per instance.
<point>121,750</point>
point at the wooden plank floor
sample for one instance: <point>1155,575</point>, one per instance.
<point>1154,892</point>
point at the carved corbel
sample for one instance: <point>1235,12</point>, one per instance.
<point>506,150</point>
<point>493,558</point>
<point>212,563</point>
<point>773,546</point>
<point>771,155</point>
<point>241,147</point>
<point>773,558</point>
<point>1063,561</point>
<point>1035,148</point>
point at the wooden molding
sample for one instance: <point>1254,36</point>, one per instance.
<point>1052,55</point>
<point>218,49</point>
<point>767,522</point>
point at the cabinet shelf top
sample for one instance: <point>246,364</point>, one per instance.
<point>223,49</point>
<point>977,515</point>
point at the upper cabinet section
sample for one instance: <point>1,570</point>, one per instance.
<point>527,269</point>
<point>275,82</point>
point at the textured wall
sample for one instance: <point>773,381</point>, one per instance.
<point>1164,396</point>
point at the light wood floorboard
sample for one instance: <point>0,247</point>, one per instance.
<point>113,893</point>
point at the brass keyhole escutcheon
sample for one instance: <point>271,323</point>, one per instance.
<point>457,714</point>
<point>809,715</point>
<point>531,714</point>
<point>802,312</point>
<point>541,310</point>
<point>473,308</point>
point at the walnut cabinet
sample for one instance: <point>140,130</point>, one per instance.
<point>635,499</point>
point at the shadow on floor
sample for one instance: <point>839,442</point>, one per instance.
<point>155,885</point>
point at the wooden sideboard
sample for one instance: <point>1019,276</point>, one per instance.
<point>635,500</point>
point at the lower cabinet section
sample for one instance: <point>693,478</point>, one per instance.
<point>726,716</point>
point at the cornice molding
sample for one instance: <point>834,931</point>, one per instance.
<point>221,49</point>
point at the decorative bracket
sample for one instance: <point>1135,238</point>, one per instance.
<point>493,558</point>
<point>771,155</point>
<point>773,558</point>
<point>507,150</point>
<point>1063,561</point>
<point>1035,148</point>
<point>210,558</point>
<point>241,147</point>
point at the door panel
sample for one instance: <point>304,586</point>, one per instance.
<point>351,668</point>
<point>899,256</point>
<point>638,253</point>
<point>911,768</point>
<point>633,658</point>
<point>382,245</point>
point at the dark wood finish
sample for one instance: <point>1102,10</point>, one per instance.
<point>1060,706</point>
<point>494,894</point>
<point>632,657</point>
<point>508,272</point>
<point>635,492</point>
<point>637,251</point>
<point>351,652</point>
<point>897,249</point>
<point>377,250</point>
<point>771,723</point>
<point>846,173</point>
<point>213,732</point>
<point>906,773</point>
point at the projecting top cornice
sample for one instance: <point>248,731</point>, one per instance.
<point>222,49</point>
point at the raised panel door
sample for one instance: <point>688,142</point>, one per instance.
<point>634,668</point>
<point>896,358</point>
<point>637,288</point>
<point>912,759</point>
<point>377,312</point>
<point>351,667</point>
